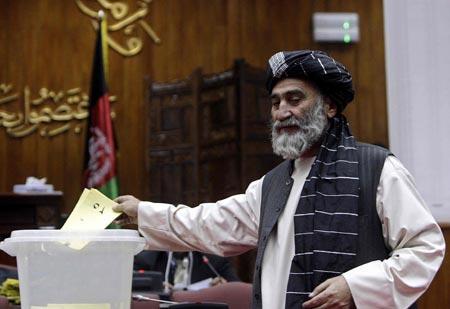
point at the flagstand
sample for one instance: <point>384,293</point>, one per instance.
<point>100,146</point>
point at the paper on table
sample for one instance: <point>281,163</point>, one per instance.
<point>79,306</point>
<point>93,211</point>
<point>199,285</point>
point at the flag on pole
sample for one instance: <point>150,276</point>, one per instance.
<point>100,157</point>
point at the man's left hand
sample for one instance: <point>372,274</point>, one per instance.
<point>332,293</point>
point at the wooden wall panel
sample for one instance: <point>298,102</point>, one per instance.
<point>49,43</point>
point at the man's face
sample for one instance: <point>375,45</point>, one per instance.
<point>299,117</point>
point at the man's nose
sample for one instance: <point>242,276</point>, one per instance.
<point>284,111</point>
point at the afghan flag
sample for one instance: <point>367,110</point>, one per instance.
<point>100,157</point>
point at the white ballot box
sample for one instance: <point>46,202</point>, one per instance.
<point>54,274</point>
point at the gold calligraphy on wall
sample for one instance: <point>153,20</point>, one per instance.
<point>49,112</point>
<point>125,21</point>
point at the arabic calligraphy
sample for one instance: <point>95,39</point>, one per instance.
<point>124,21</point>
<point>50,113</point>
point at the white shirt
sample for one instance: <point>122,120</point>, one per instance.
<point>230,227</point>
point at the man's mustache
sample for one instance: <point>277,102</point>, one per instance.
<point>289,122</point>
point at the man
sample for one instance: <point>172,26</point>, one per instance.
<point>337,224</point>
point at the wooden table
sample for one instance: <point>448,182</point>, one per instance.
<point>27,211</point>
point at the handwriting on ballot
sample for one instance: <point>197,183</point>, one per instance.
<point>93,211</point>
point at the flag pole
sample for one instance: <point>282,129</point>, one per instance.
<point>100,151</point>
<point>104,30</point>
<point>100,15</point>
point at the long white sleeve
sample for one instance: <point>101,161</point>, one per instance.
<point>227,227</point>
<point>230,227</point>
<point>416,239</point>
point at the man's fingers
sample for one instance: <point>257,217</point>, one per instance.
<point>118,208</point>
<point>332,293</point>
<point>125,220</point>
<point>317,296</point>
<point>127,204</point>
<point>316,301</point>
<point>321,287</point>
<point>122,198</point>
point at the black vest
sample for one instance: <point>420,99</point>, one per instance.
<point>277,185</point>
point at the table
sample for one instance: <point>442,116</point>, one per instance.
<point>27,211</point>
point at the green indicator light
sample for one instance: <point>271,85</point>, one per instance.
<point>346,25</point>
<point>347,38</point>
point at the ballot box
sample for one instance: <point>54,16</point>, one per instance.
<point>74,269</point>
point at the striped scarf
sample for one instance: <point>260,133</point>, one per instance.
<point>326,219</point>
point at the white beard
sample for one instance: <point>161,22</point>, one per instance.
<point>312,126</point>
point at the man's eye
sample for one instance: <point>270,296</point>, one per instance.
<point>275,103</point>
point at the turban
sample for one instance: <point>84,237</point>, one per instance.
<point>330,76</point>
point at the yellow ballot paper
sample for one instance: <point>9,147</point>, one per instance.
<point>93,211</point>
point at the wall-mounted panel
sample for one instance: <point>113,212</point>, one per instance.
<point>49,44</point>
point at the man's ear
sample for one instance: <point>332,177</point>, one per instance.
<point>330,108</point>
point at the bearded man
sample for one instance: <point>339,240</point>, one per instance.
<point>338,224</point>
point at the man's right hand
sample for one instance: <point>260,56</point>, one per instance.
<point>127,204</point>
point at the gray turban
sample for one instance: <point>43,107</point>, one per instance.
<point>330,76</point>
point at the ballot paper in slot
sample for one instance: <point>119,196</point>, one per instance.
<point>93,211</point>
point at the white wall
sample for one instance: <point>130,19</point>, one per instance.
<point>417,43</point>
